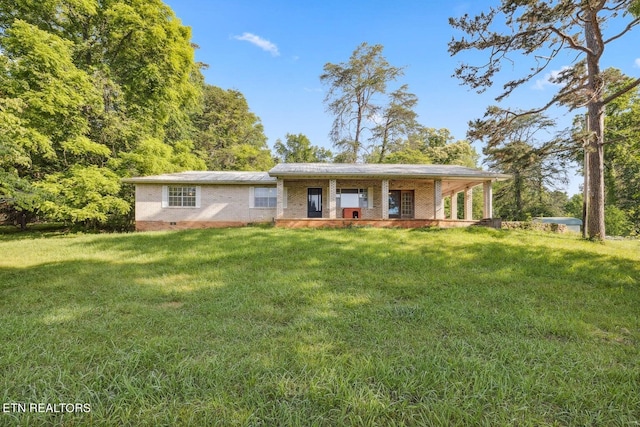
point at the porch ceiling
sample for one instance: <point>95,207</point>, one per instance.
<point>449,186</point>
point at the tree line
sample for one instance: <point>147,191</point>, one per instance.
<point>91,92</point>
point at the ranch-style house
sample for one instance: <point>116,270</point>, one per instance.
<point>313,195</point>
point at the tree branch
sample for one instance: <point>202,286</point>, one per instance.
<point>621,92</point>
<point>623,32</point>
<point>570,40</point>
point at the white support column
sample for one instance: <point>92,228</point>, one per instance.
<point>454,205</point>
<point>332,198</point>
<point>488,199</point>
<point>468,203</point>
<point>438,206</point>
<point>280,199</point>
<point>385,199</point>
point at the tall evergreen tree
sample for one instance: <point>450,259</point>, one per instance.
<point>541,30</point>
<point>351,97</point>
<point>536,159</point>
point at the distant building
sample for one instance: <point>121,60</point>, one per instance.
<point>572,224</point>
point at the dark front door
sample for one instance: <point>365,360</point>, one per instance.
<point>314,202</point>
<point>394,203</point>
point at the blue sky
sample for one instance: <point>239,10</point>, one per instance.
<point>273,51</point>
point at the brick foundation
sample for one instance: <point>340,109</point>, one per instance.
<point>389,223</point>
<point>185,225</point>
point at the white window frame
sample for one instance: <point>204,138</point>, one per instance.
<point>165,196</point>
<point>252,198</point>
<point>362,193</point>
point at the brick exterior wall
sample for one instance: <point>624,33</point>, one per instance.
<point>229,205</point>
<point>297,196</point>
<point>422,196</point>
<point>219,204</point>
<point>296,206</point>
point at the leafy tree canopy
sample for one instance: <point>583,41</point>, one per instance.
<point>228,135</point>
<point>298,149</point>
<point>92,91</point>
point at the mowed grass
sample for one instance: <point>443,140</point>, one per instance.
<point>263,326</point>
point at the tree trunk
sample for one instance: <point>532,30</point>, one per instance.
<point>595,168</point>
<point>595,148</point>
<point>517,184</point>
<point>22,219</point>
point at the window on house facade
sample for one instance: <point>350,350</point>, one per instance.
<point>181,196</point>
<point>352,198</point>
<point>265,197</point>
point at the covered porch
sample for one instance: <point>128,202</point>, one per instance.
<point>335,195</point>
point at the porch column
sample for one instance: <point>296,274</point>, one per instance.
<point>438,206</point>
<point>332,198</point>
<point>385,199</point>
<point>454,205</point>
<point>280,199</point>
<point>488,199</point>
<point>468,203</point>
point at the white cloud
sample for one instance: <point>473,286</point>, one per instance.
<point>637,62</point>
<point>263,44</point>
<point>549,79</point>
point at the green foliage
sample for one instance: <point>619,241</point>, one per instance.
<point>228,135</point>
<point>428,145</point>
<point>298,149</point>
<point>617,221</point>
<point>406,156</point>
<point>109,86</point>
<point>52,91</point>
<point>86,195</point>
<point>525,149</point>
<point>574,206</point>
<point>622,153</point>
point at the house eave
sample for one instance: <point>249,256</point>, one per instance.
<point>206,178</point>
<point>475,177</point>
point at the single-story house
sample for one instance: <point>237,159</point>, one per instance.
<point>312,194</point>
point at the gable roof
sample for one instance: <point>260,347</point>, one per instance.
<point>381,170</point>
<point>205,177</point>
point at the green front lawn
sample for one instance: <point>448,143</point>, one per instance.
<point>262,326</point>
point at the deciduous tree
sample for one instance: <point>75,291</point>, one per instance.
<point>437,146</point>
<point>228,135</point>
<point>84,86</point>
<point>298,149</point>
<point>622,156</point>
